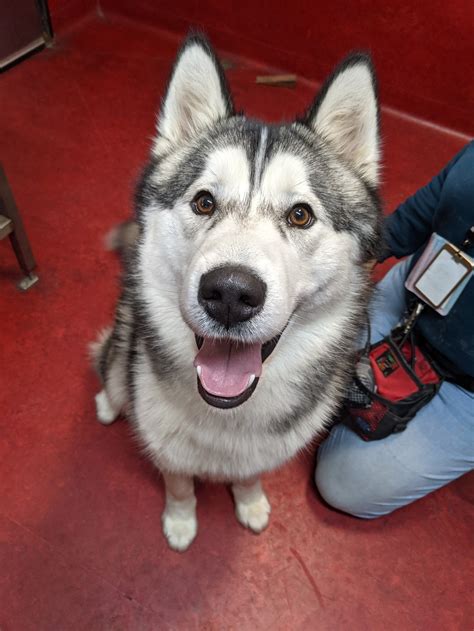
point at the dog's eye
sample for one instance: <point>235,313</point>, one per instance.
<point>203,203</point>
<point>300,216</point>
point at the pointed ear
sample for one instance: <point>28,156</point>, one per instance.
<point>197,96</point>
<point>346,113</point>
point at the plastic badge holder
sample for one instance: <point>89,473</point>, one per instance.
<point>440,275</point>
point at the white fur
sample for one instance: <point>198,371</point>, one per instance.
<point>194,100</point>
<point>179,517</point>
<point>285,182</point>
<point>213,443</point>
<point>227,175</point>
<point>95,347</point>
<point>116,386</point>
<point>105,412</point>
<point>260,155</point>
<point>316,271</point>
<point>179,530</point>
<point>210,442</point>
<point>112,400</point>
<point>252,507</point>
<point>181,432</point>
<point>347,118</point>
<point>256,241</point>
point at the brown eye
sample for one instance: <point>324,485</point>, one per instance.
<point>300,216</point>
<point>203,203</point>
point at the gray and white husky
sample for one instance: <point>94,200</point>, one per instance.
<point>246,289</point>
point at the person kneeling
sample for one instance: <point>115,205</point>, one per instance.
<point>369,479</point>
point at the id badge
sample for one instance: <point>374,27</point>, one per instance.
<point>440,275</point>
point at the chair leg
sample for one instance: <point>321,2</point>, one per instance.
<point>18,238</point>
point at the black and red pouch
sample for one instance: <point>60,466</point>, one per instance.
<point>403,380</point>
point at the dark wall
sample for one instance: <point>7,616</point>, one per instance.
<point>423,49</point>
<point>65,13</point>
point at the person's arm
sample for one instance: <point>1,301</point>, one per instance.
<point>410,225</point>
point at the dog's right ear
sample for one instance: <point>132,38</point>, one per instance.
<point>197,96</point>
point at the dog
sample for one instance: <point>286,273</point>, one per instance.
<point>245,286</point>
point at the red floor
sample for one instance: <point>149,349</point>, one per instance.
<point>81,546</point>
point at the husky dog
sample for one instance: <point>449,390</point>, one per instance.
<point>246,289</point>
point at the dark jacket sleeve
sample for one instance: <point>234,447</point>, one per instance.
<point>410,225</point>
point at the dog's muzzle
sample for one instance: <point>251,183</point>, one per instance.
<point>228,371</point>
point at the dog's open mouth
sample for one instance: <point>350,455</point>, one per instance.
<point>228,371</point>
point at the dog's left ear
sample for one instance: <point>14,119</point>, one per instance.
<point>197,96</point>
<point>346,113</point>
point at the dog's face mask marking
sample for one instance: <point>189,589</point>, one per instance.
<point>244,224</point>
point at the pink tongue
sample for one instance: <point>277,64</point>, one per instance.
<point>227,366</point>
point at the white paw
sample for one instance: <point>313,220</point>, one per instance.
<point>179,531</point>
<point>105,413</point>
<point>254,515</point>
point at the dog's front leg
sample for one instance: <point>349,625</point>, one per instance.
<point>251,504</point>
<point>179,517</point>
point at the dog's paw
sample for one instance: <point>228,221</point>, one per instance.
<point>254,515</point>
<point>179,531</point>
<point>105,413</point>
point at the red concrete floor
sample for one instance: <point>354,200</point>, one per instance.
<point>81,545</point>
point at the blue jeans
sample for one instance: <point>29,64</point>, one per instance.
<point>370,479</point>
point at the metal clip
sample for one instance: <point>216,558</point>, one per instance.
<point>469,238</point>
<point>412,318</point>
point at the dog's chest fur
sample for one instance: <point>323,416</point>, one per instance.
<point>294,400</point>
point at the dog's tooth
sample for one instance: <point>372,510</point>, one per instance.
<point>251,380</point>
<point>199,370</point>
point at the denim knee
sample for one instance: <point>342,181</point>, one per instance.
<point>341,494</point>
<point>345,477</point>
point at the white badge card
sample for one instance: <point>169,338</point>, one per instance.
<point>443,275</point>
<point>432,248</point>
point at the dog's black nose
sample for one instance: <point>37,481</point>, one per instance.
<point>231,294</point>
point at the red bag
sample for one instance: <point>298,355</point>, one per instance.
<point>403,380</point>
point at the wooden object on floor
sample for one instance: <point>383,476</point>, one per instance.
<point>277,80</point>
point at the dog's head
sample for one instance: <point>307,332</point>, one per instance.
<point>245,225</point>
